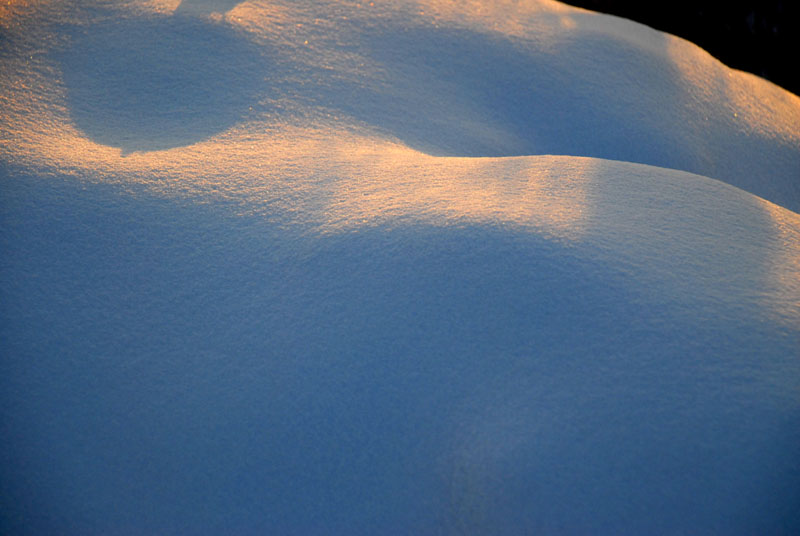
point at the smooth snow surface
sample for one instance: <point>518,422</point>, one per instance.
<point>421,268</point>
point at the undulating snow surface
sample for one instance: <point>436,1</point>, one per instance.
<point>433,267</point>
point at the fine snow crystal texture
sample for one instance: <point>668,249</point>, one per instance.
<point>409,267</point>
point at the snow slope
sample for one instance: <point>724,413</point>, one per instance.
<point>431,267</point>
<point>445,78</point>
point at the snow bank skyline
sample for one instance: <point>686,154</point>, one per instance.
<point>748,35</point>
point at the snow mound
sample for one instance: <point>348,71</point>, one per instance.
<point>447,79</point>
<point>431,267</point>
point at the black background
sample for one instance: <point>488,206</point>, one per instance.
<point>761,37</point>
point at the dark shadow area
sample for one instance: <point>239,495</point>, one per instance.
<point>150,84</point>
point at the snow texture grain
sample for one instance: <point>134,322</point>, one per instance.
<point>409,268</point>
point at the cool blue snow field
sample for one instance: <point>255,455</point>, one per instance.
<point>336,268</point>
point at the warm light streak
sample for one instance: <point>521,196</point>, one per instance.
<point>783,275</point>
<point>401,185</point>
<point>161,6</point>
<point>9,7</point>
<point>543,22</point>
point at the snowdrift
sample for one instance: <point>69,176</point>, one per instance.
<point>431,267</point>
